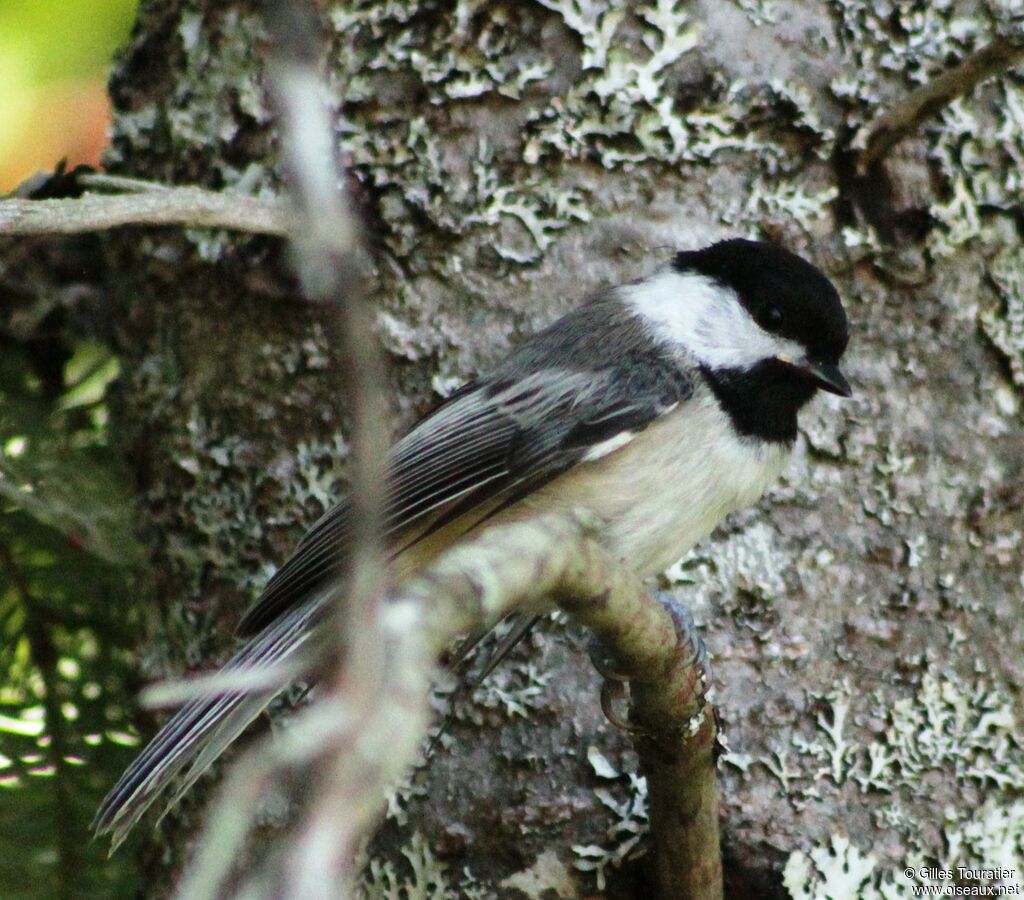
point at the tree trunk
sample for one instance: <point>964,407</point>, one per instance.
<point>508,158</point>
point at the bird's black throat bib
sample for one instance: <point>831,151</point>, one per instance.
<point>762,401</point>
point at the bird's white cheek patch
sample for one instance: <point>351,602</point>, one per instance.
<point>700,316</point>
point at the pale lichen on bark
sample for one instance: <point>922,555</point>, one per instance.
<point>503,179</point>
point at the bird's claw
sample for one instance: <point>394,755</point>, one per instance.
<point>612,691</point>
<point>604,661</point>
<point>616,683</point>
<point>692,644</point>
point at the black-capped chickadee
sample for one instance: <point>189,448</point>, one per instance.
<point>660,406</point>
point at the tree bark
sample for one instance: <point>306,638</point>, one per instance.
<point>510,157</point>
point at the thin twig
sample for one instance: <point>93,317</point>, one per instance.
<point>103,181</point>
<point>156,205</point>
<point>329,259</point>
<point>177,691</point>
<point>880,135</point>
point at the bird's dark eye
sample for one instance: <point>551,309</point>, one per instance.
<point>771,316</point>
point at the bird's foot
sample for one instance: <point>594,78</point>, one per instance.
<point>694,657</point>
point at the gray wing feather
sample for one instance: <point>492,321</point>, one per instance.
<point>587,376</point>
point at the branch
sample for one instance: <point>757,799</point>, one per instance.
<point>879,136</point>
<point>507,568</point>
<point>470,589</point>
<point>144,203</point>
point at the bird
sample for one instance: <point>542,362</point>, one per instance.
<point>659,406</point>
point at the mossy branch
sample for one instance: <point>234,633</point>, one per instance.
<point>506,568</point>
<point>470,588</point>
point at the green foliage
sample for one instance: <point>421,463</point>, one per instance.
<point>66,556</point>
<point>64,38</point>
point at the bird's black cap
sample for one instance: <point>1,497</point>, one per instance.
<point>785,294</point>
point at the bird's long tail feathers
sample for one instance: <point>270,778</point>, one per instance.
<point>202,729</point>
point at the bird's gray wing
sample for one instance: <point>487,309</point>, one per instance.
<point>492,443</point>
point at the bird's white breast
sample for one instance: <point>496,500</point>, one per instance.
<point>669,487</point>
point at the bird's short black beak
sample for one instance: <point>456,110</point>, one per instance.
<point>827,376</point>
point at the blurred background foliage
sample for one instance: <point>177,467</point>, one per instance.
<point>54,60</point>
<point>67,555</point>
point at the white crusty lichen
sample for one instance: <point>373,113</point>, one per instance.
<point>838,872</point>
<point>619,111</point>
<point>614,103</point>
<point>835,750</point>
<point>886,36</point>
<point>760,12</point>
<point>779,765</point>
<point>981,841</point>
<point>472,54</point>
<point>622,112</point>
<point>992,837</point>
<point>546,878</point>
<point>805,112</point>
<point>966,732</point>
<point>401,793</point>
<point>426,880</point>
<point>217,84</point>
<point>541,216</point>
<point>1005,326</point>
<point>749,563</point>
<point>318,477</point>
<point>629,825</point>
<point>594,22</point>
<point>216,98</point>
<point>977,143</point>
<point>517,689</point>
<point>980,150</point>
<point>791,200</point>
<point>216,501</point>
<point>781,189</point>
